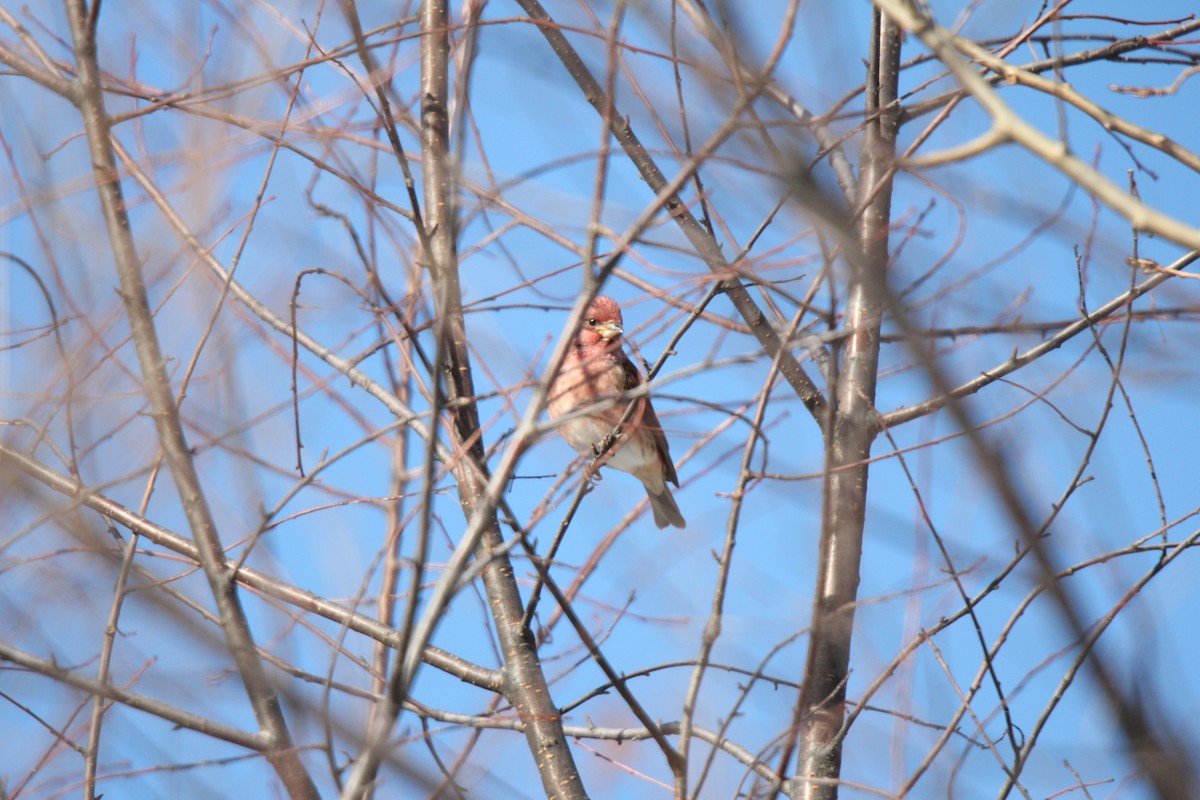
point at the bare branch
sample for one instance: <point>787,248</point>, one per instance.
<point>263,698</point>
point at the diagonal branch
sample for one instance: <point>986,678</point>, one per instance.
<point>909,413</point>
<point>524,684</point>
<point>181,718</point>
<point>1009,126</point>
<point>700,237</point>
<point>247,576</point>
<point>87,96</point>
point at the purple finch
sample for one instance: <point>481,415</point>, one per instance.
<point>593,377</point>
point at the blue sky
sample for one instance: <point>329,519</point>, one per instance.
<point>528,117</point>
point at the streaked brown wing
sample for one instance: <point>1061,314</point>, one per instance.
<point>643,417</point>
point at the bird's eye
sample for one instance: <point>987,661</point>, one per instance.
<point>592,322</point>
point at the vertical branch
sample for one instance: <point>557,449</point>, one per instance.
<point>385,607</point>
<point>86,95</point>
<point>712,628</point>
<point>848,442</point>
<point>100,704</point>
<point>524,683</point>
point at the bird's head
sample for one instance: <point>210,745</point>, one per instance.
<point>601,323</point>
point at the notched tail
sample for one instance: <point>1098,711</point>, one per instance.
<point>666,512</point>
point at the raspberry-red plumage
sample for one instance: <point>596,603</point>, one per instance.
<point>586,397</point>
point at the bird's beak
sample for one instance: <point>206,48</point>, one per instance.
<point>609,331</point>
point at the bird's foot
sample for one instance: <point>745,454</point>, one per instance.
<point>592,474</point>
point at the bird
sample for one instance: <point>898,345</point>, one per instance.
<point>585,402</point>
